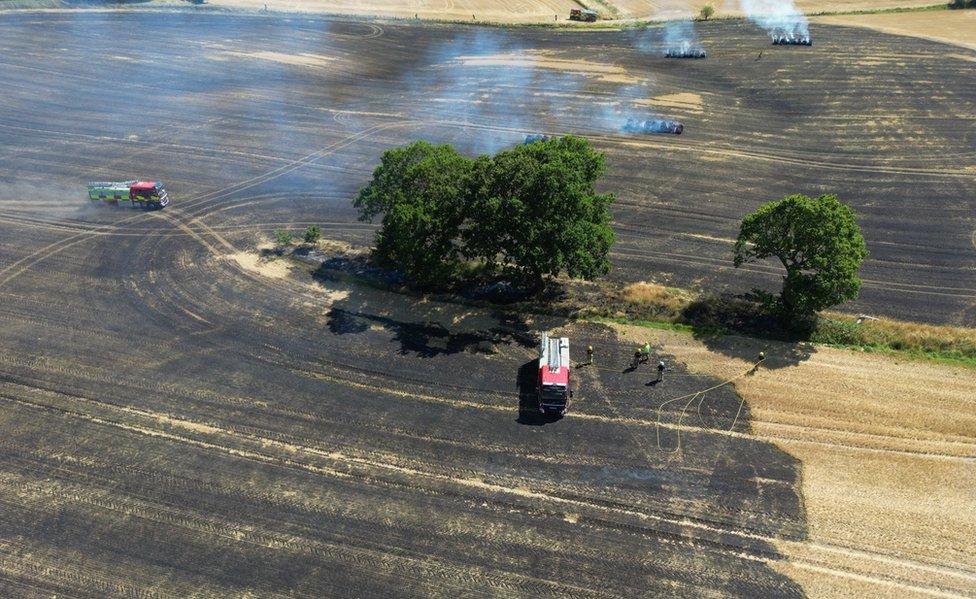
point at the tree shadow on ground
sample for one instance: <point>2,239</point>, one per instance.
<point>742,325</point>
<point>779,354</point>
<point>525,382</point>
<point>419,325</point>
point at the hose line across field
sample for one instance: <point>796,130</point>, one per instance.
<point>700,396</point>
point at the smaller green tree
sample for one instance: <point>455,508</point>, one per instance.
<point>706,12</point>
<point>282,237</point>
<point>312,234</point>
<point>819,243</point>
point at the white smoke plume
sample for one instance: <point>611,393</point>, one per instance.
<point>680,37</point>
<point>490,88</point>
<point>780,18</point>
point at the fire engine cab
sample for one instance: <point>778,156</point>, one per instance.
<point>553,386</point>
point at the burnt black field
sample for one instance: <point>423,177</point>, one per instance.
<point>175,424</point>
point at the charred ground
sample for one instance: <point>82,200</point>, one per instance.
<point>175,422</point>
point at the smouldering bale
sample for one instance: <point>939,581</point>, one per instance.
<point>782,37</point>
<point>653,126</point>
<point>685,52</point>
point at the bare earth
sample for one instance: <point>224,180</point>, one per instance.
<point>887,450</point>
<point>951,27</point>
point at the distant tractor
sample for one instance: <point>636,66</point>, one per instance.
<point>653,126</point>
<point>553,385</point>
<point>587,15</point>
<point>133,194</point>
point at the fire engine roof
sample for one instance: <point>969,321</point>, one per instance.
<point>143,185</point>
<point>559,376</point>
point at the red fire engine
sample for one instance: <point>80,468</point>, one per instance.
<point>553,387</point>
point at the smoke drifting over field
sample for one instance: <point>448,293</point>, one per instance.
<point>676,37</point>
<point>493,91</point>
<point>780,18</point>
<point>487,79</point>
<point>627,111</point>
<point>680,37</point>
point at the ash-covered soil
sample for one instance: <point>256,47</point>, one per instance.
<point>280,438</point>
<point>179,421</point>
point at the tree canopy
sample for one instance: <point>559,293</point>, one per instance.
<point>422,191</point>
<point>819,243</point>
<point>529,212</point>
<point>538,213</point>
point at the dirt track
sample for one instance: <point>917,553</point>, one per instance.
<point>176,422</point>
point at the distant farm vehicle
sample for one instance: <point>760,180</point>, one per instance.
<point>685,51</point>
<point>782,37</point>
<point>553,385</point>
<point>531,138</point>
<point>585,14</point>
<point>134,194</point>
<point>653,126</point>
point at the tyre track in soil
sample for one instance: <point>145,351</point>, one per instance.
<point>385,383</point>
<point>81,480</point>
<point>26,262</point>
<point>342,549</point>
<point>699,533</point>
<point>715,263</point>
<point>71,226</point>
<point>708,148</point>
<point>216,313</point>
<point>625,421</point>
